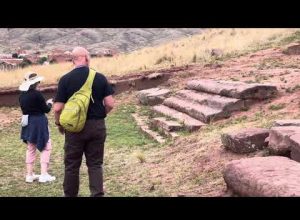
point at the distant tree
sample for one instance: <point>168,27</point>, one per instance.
<point>42,60</point>
<point>15,55</point>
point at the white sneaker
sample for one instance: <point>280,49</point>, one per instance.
<point>46,178</point>
<point>30,179</point>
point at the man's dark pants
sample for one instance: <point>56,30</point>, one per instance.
<point>89,141</point>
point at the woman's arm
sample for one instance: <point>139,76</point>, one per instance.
<point>43,105</point>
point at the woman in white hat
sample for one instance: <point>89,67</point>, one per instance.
<point>35,131</point>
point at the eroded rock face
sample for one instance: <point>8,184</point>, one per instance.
<point>238,90</point>
<point>272,176</point>
<point>153,96</point>
<point>246,140</point>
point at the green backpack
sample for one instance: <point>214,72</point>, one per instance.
<point>74,114</point>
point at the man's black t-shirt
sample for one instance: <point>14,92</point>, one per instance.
<point>74,80</point>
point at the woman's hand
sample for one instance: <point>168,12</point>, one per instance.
<point>49,101</point>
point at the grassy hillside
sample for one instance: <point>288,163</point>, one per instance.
<point>194,49</point>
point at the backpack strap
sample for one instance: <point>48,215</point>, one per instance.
<point>89,82</point>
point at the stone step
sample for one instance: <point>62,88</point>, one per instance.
<point>168,134</point>
<point>141,122</point>
<point>190,123</point>
<point>165,124</point>
<point>152,96</point>
<point>238,90</point>
<point>166,127</point>
<point>197,111</point>
<point>272,176</point>
<point>213,101</point>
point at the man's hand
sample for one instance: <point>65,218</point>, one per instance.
<point>58,107</point>
<point>61,129</point>
<point>108,103</point>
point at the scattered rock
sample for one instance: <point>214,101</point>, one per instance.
<point>272,176</point>
<point>246,141</point>
<point>289,122</point>
<point>216,52</point>
<point>292,49</point>
<point>279,140</point>
<point>155,75</point>
<point>152,188</point>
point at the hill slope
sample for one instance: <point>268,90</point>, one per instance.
<point>121,39</point>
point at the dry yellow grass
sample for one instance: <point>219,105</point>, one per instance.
<point>176,53</point>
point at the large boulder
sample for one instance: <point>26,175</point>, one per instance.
<point>246,140</point>
<point>153,96</point>
<point>279,140</point>
<point>272,176</point>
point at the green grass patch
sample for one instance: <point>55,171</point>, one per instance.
<point>123,138</point>
<point>277,106</point>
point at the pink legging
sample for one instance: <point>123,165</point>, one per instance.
<point>45,156</point>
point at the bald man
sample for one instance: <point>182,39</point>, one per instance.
<point>90,141</point>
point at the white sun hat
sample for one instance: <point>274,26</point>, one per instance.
<point>30,79</point>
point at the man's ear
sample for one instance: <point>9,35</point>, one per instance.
<point>87,59</point>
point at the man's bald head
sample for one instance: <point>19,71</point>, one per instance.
<point>80,56</point>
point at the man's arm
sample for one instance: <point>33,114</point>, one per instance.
<point>108,103</point>
<point>58,107</point>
